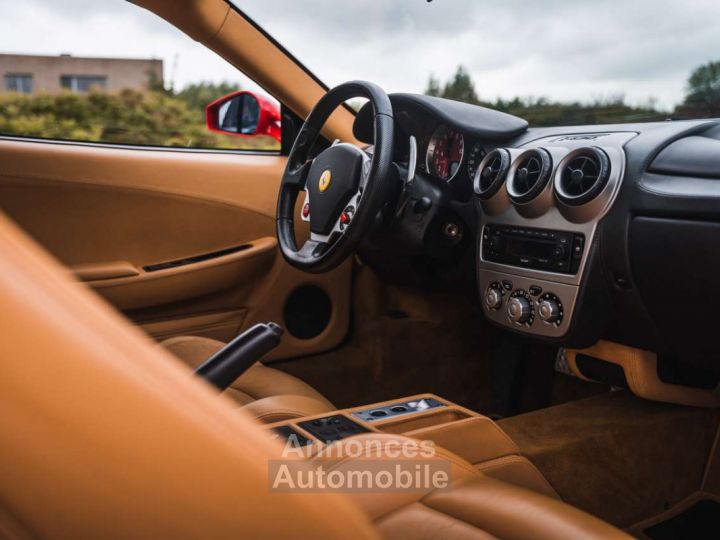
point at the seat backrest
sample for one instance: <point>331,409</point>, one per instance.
<point>104,435</point>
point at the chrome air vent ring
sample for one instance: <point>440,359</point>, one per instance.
<point>581,176</point>
<point>529,175</point>
<point>491,173</point>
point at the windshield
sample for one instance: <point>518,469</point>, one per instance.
<point>552,62</point>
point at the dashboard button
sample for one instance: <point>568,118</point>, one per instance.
<point>578,243</point>
<point>507,284</point>
<point>493,297</point>
<point>519,309</point>
<point>550,309</point>
<point>535,290</point>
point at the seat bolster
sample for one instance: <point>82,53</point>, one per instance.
<point>256,383</point>
<point>193,350</point>
<point>419,522</point>
<point>507,511</point>
<point>261,381</point>
<point>285,407</point>
<point>344,455</point>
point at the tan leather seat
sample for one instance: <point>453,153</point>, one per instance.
<point>270,395</point>
<point>104,435</point>
<point>473,507</point>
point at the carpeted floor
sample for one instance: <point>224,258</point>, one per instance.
<point>616,456</point>
<point>696,517</point>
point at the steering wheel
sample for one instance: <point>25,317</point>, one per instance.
<point>344,185</point>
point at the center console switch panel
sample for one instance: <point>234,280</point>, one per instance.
<point>397,409</point>
<point>289,434</point>
<point>332,428</point>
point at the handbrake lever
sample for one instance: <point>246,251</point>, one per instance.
<point>226,365</point>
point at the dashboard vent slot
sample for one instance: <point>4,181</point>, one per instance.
<point>529,175</point>
<point>491,173</point>
<point>583,175</point>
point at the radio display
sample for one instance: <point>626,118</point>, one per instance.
<point>524,247</point>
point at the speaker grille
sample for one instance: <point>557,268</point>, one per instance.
<point>307,312</point>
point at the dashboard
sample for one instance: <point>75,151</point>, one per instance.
<point>577,233</point>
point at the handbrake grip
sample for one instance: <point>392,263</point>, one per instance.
<point>226,365</point>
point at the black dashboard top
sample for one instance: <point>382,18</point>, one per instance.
<point>479,121</point>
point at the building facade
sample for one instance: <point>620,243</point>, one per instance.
<point>31,74</point>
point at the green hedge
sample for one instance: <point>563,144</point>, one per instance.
<point>128,117</point>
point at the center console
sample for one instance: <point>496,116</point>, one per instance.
<point>538,207</point>
<point>463,432</point>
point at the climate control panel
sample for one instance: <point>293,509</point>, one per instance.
<point>531,305</point>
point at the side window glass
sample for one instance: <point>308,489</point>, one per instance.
<point>139,81</point>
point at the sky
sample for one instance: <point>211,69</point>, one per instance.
<point>578,50</point>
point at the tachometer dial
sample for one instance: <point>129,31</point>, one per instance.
<point>475,156</point>
<point>444,153</point>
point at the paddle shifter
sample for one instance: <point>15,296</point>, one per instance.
<point>226,365</point>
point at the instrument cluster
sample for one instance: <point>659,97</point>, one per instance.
<point>450,155</point>
<point>444,152</point>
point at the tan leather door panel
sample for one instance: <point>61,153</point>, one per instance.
<point>114,214</point>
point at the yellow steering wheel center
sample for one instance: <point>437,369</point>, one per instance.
<point>324,181</point>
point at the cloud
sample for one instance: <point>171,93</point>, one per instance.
<point>563,50</point>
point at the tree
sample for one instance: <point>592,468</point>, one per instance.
<point>703,92</point>
<point>433,87</point>
<point>544,112</point>
<point>198,95</point>
<point>460,87</point>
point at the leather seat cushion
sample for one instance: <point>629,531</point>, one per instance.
<point>473,507</point>
<point>268,394</point>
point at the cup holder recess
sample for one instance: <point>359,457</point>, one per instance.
<point>397,409</point>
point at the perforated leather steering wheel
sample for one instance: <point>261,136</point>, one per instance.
<point>344,185</point>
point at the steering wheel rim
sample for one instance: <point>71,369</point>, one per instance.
<point>323,252</point>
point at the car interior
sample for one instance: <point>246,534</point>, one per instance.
<point>421,269</point>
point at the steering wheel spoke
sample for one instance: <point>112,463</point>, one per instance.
<point>296,177</point>
<point>312,249</point>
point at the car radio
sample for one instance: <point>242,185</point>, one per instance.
<point>541,249</point>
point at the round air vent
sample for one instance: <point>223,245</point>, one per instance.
<point>529,175</point>
<point>582,176</point>
<point>491,173</point>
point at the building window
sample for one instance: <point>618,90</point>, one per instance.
<point>83,83</point>
<point>19,82</point>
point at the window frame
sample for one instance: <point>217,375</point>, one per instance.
<point>75,79</point>
<point>26,76</point>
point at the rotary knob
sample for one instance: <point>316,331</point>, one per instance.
<point>519,309</point>
<point>493,297</point>
<point>550,309</point>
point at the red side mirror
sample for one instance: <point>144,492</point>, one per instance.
<point>243,114</point>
